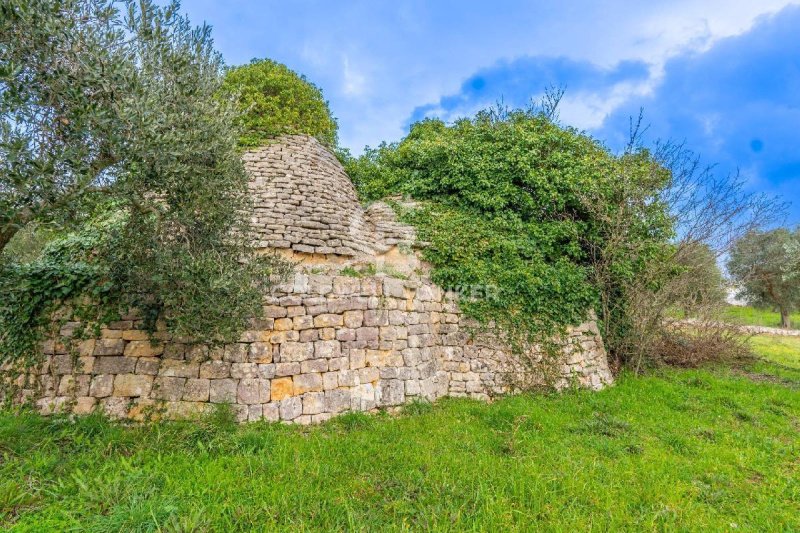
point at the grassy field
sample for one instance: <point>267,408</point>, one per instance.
<point>750,316</point>
<point>710,450</point>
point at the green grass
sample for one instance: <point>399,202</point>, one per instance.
<point>703,450</point>
<point>750,316</point>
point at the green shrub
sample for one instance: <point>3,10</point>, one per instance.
<point>517,211</point>
<point>274,100</point>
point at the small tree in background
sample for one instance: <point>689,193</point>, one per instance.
<point>762,264</point>
<point>274,100</point>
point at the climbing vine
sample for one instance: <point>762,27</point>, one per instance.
<point>507,201</point>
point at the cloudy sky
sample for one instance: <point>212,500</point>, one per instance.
<point>722,75</point>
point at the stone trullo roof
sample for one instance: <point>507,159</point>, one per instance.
<point>305,202</point>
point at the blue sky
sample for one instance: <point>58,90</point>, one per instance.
<point>722,75</point>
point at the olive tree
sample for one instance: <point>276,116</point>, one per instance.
<point>112,108</point>
<point>762,265</point>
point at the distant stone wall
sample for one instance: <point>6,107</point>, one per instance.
<point>328,344</point>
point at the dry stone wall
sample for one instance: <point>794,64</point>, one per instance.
<point>328,344</point>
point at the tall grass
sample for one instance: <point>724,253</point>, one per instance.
<point>710,450</point>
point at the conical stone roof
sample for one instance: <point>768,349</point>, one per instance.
<point>305,202</point>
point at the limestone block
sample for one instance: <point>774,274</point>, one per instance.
<point>287,369</point>
<point>260,352</point>
<point>307,383</point>
<point>266,371</point>
<point>313,403</point>
<point>249,392</point>
<point>223,390</point>
<point>215,370</point>
<point>353,319</point>
<point>337,400</point>
<point>114,365</point>
<point>296,351</point>
<point>109,347</point>
<point>135,335</point>
<point>314,365</point>
<point>376,317</point>
<point>84,405</point>
<point>143,349</point>
<point>283,324</point>
<point>177,351</point>
<point>303,322</point>
<point>290,408</point>
<point>71,385</point>
<point>367,334</point>
<point>179,369</point>
<point>236,352</point>
<point>115,407</point>
<point>196,390</point>
<point>281,388</point>
<point>327,349</point>
<point>102,386</point>
<point>132,385</point>
<point>168,388</point>
<point>271,412</point>
<point>244,370</point>
<point>62,364</point>
<point>328,320</point>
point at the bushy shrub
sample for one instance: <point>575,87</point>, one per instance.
<point>274,100</point>
<point>506,201</point>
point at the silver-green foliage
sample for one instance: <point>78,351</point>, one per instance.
<point>113,104</point>
<point>763,266</point>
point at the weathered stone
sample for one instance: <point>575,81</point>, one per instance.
<point>337,400</point>
<point>314,365</point>
<point>291,408</point>
<point>328,320</point>
<point>176,351</point>
<point>376,318</point>
<point>353,319</point>
<point>135,335</point>
<point>392,392</point>
<point>236,352</point>
<point>132,385</point>
<point>327,349</point>
<point>244,370</point>
<point>223,390</point>
<point>283,324</point>
<point>143,349</point>
<point>215,370</point>
<point>281,388</point>
<point>249,392</point>
<point>179,369</point>
<point>296,351</point>
<point>303,322</point>
<point>168,388</point>
<point>307,383</point>
<point>367,334</point>
<point>109,347</point>
<point>62,364</point>
<point>114,365</point>
<point>287,369</point>
<point>84,405</point>
<point>102,386</point>
<point>71,385</point>
<point>148,366</point>
<point>313,403</point>
<point>271,412</point>
<point>260,352</point>
<point>196,390</point>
